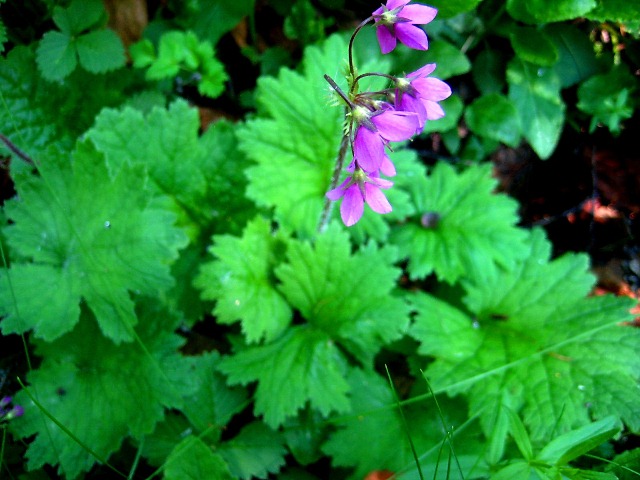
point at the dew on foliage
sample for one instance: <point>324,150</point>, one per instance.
<point>237,302</point>
<point>107,224</point>
<point>582,388</point>
<point>475,324</point>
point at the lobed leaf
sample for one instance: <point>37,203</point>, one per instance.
<point>475,229</point>
<point>103,236</point>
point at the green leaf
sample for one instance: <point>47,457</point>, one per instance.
<point>475,231</point>
<point>100,51</point>
<point>534,322</point>
<point>143,53</point>
<point>304,359</point>
<point>494,116</point>
<point>241,281</point>
<point>536,94</point>
<point>450,59</point>
<point>534,46</point>
<point>379,421</point>
<point>541,11</point>
<point>80,15</point>
<point>621,11</point>
<point>165,142</point>
<point>608,98</point>
<point>578,59</point>
<point>213,402</point>
<point>304,23</point>
<point>215,18</point>
<point>565,448</point>
<point>192,459</point>
<point>100,391</point>
<point>295,140</point>
<point>74,219</point>
<point>488,71</point>
<point>451,8</point>
<point>255,452</point>
<point>56,55</point>
<point>347,296</point>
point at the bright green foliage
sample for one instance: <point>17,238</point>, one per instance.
<point>127,388</point>
<point>475,232</point>
<point>303,365</point>
<point>241,281</point>
<point>325,283</point>
<point>213,403</point>
<point>608,98</point>
<point>536,94</point>
<point>495,116</point>
<point>201,175</point>
<point>551,461</point>
<point>348,296</point>
<point>97,50</point>
<point>386,446</point>
<point>182,52</point>
<point>37,114</point>
<point>255,452</point>
<point>534,323</point>
<point>295,140</point>
<point>192,459</point>
<point>615,10</point>
<point>92,237</point>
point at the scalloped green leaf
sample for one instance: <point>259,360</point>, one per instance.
<point>473,230</point>
<point>295,139</point>
<point>56,55</point>
<point>304,359</point>
<point>347,296</point>
<point>534,322</point>
<point>534,46</point>
<point>255,452</point>
<point>101,392</point>
<point>192,459</point>
<point>100,51</point>
<point>241,282</point>
<point>104,236</point>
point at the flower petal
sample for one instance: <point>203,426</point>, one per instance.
<point>395,126</point>
<point>412,36</point>
<point>368,149</point>
<point>386,39</point>
<point>434,110</point>
<point>391,4</point>
<point>431,88</point>
<point>418,14</point>
<point>410,104</point>
<point>337,192</point>
<point>352,206</point>
<point>387,167</point>
<point>376,199</point>
<point>423,71</point>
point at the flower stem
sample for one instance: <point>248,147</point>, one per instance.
<point>352,70</point>
<point>328,204</point>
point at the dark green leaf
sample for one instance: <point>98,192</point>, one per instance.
<point>495,116</point>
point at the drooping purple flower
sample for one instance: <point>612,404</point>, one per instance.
<point>420,94</point>
<point>357,190</point>
<point>5,415</point>
<point>397,21</point>
<point>375,130</point>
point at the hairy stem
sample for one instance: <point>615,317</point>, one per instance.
<point>9,144</point>
<point>352,69</point>
<point>328,204</point>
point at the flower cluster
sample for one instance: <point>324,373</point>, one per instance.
<point>392,115</point>
<point>7,414</point>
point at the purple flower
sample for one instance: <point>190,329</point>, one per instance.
<point>357,190</point>
<point>397,21</point>
<point>377,129</point>
<point>421,95</point>
<point>16,411</point>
